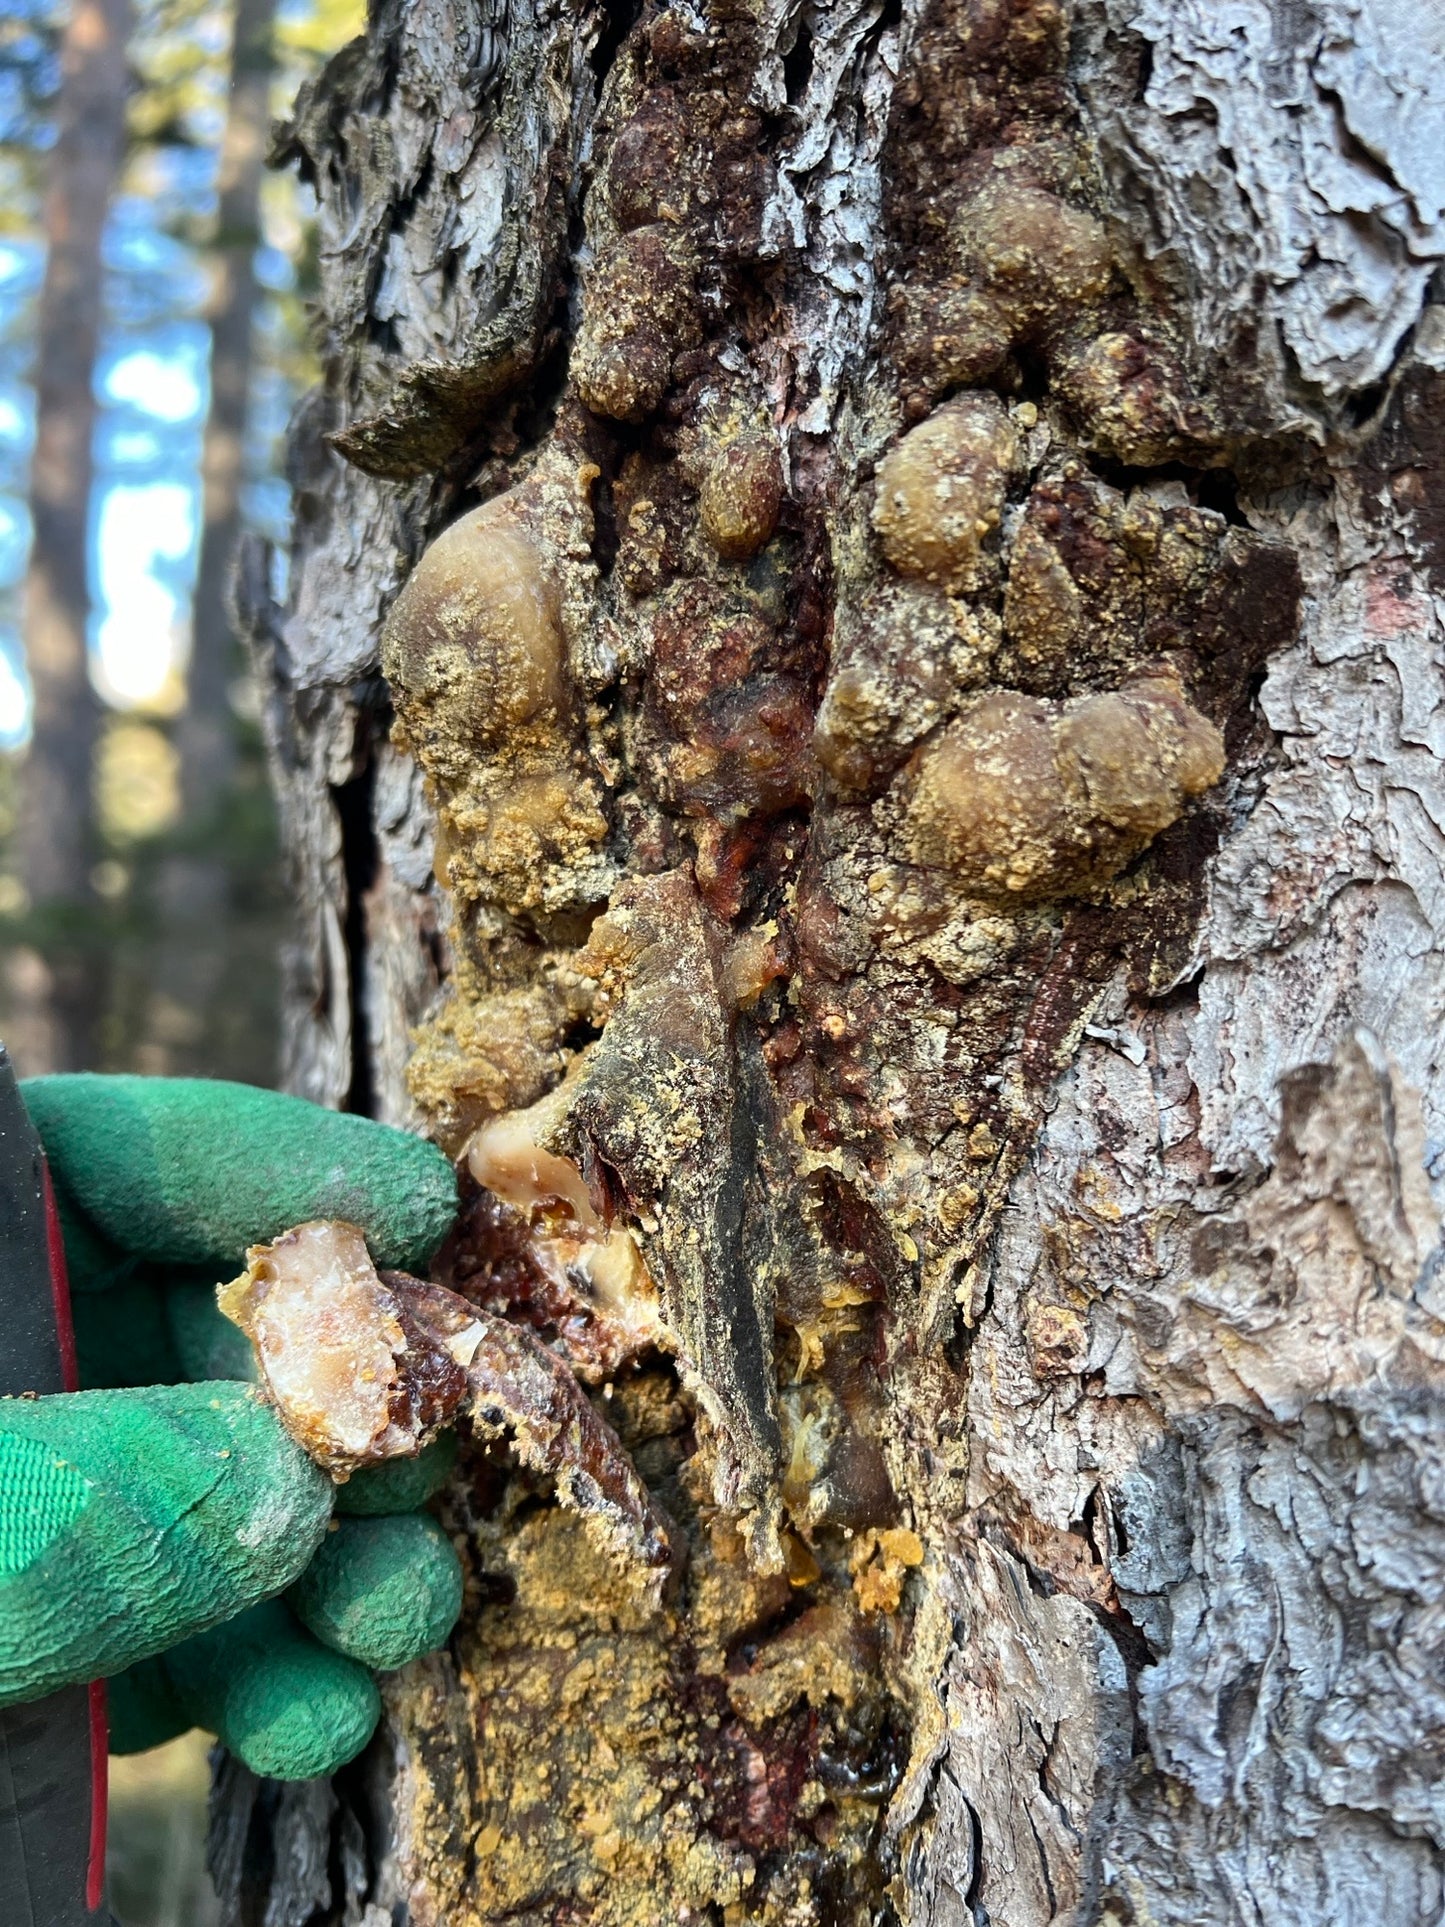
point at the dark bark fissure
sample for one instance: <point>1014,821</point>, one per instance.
<point>360,860</point>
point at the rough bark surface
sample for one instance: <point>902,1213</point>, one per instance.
<point>928,741</point>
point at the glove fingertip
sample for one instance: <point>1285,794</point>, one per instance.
<point>411,1191</point>
<point>189,1171</point>
<point>383,1591</point>
<point>398,1485</point>
<point>206,1343</point>
<point>298,1722</point>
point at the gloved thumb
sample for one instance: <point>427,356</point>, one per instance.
<point>130,1520</point>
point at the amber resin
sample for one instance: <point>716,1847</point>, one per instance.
<point>366,1366</point>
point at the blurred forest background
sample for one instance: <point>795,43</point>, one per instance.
<point>154,279</point>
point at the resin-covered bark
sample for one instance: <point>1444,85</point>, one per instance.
<point>895,847</point>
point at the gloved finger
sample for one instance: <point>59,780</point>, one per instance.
<point>398,1485</point>
<point>92,1263</point>
<point>284,1705</point>
<point>205,1342</point>
<point>132,1519</point>
<point>383,1591</point>
<point>189,1172</point>
<point>123,1337</point>
<point>156,1331</point>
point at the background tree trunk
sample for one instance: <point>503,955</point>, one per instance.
<point>54,987</point>
<point>205,950</point>
<point>206,731</point>
<point>1028,1137</point>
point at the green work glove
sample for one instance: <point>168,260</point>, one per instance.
<point>146,1532</point>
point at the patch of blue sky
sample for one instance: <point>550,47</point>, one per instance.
<point>14,539</point>
<point>274,269</point>
<point>145,550</point>
<point>17,413</point>
<point>154,388</point>
<point>213,29</point>
<point>20,270</point>
<point>135,245</point>
<point>165,381</point>
<point>17,432</point>
<point>207,125</point>
<point>154,393</point>
<point>152,276</point>
<point>22,263</point>
<point>14,691</point>
<point>133,451</point>
<point>162,185</point>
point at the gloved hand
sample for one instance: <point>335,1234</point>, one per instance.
<point>146,1532</point>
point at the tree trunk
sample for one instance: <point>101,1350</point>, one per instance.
<point>206,733</point>
<point>206,951</point>
<point>54,989</point>
<point>928,747</point>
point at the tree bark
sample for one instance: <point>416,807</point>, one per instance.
<point>55,990</point>
<point>929,749</point>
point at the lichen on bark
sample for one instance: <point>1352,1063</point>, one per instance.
<point>851,646</point>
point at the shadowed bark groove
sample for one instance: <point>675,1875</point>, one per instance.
<point>907,875</point>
